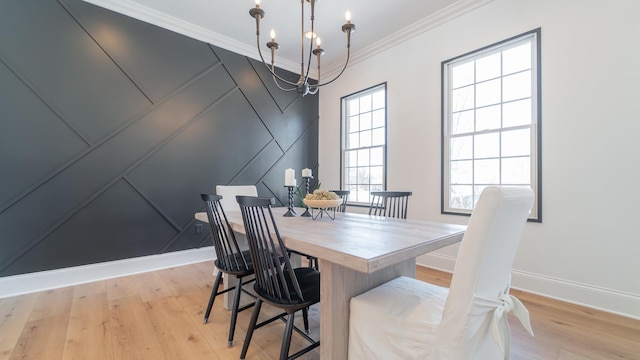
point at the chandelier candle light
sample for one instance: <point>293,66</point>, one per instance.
<point>302,86</point>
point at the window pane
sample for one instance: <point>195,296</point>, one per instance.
<point>376,175</point>
<point>351,158</point>
<point>488,93</point>
<point>378,137</point>
<point>365,121</point>
<point>365,103</point>
<point>488,118</point>
<point>353,141</point>
<point>517,113</point>
<point>488,67</point>
<point>462,172</point>
<point>354,106</point>
<point>365,138</point>
<point>378,100</point>
<point>363,157</point>
<point>352,178</point>
<point>516,142</point>
<point>377,156</point>
<point>486,146</point>
<point>462,99</point>
<point>363,175</point>
<point>517,86</point>
<point>377,118</point>
<point>486,171</point>
<point>516,171</point>
<point>362,193</point>
<point>517,59</point>
<point>462,75</point>
<point>353,124</point>
<point>461,197</point>
<point>461,148</point>
<point>462,122</point>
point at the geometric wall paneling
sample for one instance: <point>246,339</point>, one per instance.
<point>256,169</point>
<point>117,223</point>
<point>125,125</point>
<point>34,141</point>
<point>52,51</point>
<point>103,165</point>
<point>228,136</point>
<point>156,64</point>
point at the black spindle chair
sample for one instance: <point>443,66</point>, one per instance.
<point>389,203</point>
<point>230,260</point>
<point>277,282</point>
<point>344,195</point>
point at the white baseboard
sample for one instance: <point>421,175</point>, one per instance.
<point>52,279</point>
<point>615,302</point>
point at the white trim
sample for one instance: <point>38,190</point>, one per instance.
<point>615,302</point>
<point>53,279</point>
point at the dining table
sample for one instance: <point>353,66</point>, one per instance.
<point>356,252</point>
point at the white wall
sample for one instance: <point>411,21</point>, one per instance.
<point>587,249</point>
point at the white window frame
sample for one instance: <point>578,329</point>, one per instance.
<point>449,185</point>
<point>361,189</point>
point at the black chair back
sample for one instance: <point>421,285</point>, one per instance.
<point>390,203</point>
<point>230,258</point>
<point>276,281</point>
<point>344,195</point>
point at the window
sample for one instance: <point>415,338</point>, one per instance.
<point>491,122</point>
<point>363,146</point>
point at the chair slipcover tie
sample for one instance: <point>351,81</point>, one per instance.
<point>500,307</point>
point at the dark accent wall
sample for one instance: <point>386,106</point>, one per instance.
<point>110,128</point>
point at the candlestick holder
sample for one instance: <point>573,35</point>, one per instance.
<point>306,212</point>
<point>290,212</point>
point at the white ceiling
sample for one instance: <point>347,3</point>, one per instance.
<point>227,24</point>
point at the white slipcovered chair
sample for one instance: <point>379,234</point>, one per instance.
<point>229,193</point>
<point>410,319</point>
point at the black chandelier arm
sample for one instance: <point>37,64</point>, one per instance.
<point>268,68</point>
<point>275,80</point>
<point>337,76</point>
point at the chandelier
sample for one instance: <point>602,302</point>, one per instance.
<point>302,86</point>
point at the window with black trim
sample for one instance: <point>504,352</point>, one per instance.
<point>491,122</point>
<point>363,145</point>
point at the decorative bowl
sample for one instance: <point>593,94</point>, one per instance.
<point>322,204</point>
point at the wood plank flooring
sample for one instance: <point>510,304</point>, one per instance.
<point>158,315</point>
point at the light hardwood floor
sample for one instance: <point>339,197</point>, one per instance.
<point>158,315</point>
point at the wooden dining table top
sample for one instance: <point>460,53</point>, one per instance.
<point>360,242</point>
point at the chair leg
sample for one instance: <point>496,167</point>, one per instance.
<point>234,311</point>
<point>251,328</point>
<point>286,342</point>
<point>212,298</point>
<point>305,319</point>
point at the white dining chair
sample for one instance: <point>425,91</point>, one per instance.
<point>410,319</point>
<point>229,193</point>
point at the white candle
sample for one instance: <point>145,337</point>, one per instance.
<point>289,177</point>
<point>306,172</point>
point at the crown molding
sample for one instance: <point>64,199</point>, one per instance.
<point>438,18</point>
<point>149,15</point>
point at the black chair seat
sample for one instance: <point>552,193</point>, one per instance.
<point>309,281</point>
<point>240,268</point>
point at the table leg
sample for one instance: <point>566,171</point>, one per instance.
<point>337,286</point>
